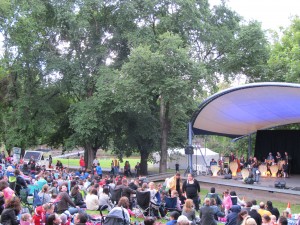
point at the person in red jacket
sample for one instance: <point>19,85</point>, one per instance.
<point>39,216</point>
<point>82,163</point>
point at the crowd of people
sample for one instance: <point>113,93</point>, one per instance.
<point>64,197</point>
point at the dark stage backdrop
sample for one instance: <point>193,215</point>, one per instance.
<point>279,141</point>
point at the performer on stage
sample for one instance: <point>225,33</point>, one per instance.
<point>286,157</point>
<point>270,156</point>
<point>255,170</point>
<point>231,157</point>
<point>278,157</point>
<point>242,162</point>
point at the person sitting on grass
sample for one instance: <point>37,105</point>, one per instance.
<point>188,210</point>
<point>174,194</point>
<point>214,195</point>
<point>92,200</point>
<point>217,212</point>
<point>105,199</point>
<point>173,218</point>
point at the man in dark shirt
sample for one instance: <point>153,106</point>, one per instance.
<point>126,191</point>
<point>255,215</point>
<point>273,210</point>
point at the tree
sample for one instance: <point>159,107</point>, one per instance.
<point>285,55</point>
<point>163,80</point>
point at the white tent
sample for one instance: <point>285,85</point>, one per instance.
<point>201,158</point>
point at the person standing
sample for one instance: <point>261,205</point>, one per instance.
<point>50,161</point>
<point>191,188</point>
<point>82,163</point>
<point>95,162</point>
<point>99,170</point>
<point>137,169</point>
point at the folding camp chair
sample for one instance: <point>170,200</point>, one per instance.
<point>116,194</point>
<point>171,204</point>
<point>26,201</point>
<point>143,202</point>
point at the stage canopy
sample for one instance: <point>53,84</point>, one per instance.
<point>243,110</point>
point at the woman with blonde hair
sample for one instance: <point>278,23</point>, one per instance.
<point>249,221</point>
<point>188,210</point>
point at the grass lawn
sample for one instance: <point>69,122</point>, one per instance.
<point>104,162</point>
<point>281,205</point>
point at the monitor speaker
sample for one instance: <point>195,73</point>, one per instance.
<point>280,184</point>
<point>189,150</point>
<point>228,176</point>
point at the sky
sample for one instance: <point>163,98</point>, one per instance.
<point>271,13</point>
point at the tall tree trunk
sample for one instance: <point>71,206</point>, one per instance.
<point>89,156</point>
<point>144,162</point>
<point>164,125</point>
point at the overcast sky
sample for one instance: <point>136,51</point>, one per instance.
<point>272,13</point>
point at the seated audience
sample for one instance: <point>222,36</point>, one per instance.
<point>188,210</point>
<point>92,200</point>
<point>105,199</point>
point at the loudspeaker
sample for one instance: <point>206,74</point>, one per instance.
<point>189,150</point>
<point>228,176</point>
<point>280,184</point>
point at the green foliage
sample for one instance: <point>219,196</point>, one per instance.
<point>57,87</point>
<point>285,55</point>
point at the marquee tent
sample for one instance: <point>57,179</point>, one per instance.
<point>201,158</point>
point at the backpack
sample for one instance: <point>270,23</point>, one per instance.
<point>37,201</point>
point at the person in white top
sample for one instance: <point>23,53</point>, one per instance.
<point>92,200</point>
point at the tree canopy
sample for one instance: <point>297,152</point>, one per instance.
<point>121,75</point>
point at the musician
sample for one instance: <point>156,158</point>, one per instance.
<point>231,157</point>
<point>213,162</point>
<point>270,156</point>
<point>221,164</point>
<point>285,168</point>
<point>278,157</point>
<point>269,163</point>
<point>286,157</point>
<point>255,170</point>
<point>249,162</point>
<point>242,162</point>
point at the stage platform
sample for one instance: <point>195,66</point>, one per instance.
<point>264,190</point>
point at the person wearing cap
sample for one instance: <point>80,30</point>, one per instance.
<point>173,218</point>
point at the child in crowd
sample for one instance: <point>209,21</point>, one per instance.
<point>227,203</point>
<point>174,194</point>
<point>173,218</point>
<point>26,219</point>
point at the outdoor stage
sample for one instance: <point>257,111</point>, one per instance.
<point>264,190</point>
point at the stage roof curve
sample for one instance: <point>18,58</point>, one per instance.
<point>243,110</point>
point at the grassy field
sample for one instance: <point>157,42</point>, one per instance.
<point>104,162</point>
<point>281,205</point>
